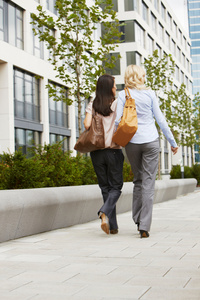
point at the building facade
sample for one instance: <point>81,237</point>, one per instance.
<point>194,31</point>
<point>27,113</point>
<point>151,25</point>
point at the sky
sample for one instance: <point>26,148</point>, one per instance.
<point>179,8</point>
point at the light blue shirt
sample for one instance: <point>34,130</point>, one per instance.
<point>147,108</point>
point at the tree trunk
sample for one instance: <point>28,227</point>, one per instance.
<point>191,147</point>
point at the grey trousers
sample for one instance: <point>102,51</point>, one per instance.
<point>144,164</point>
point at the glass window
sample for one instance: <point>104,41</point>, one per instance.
<point>128,30</point>
<point>163,9</point>
<point>194,13</point>
<point>160,32</point>
<point>196,67</point>
<point>183,59</point>
<point>11,24</point>
<point>179,54</point>
<point>138,58</point>
<point>174,28</point>
<point>40,48</point>
<point>116,70</point>
<point>26,139</point>
<point>177,72</point>
<point>195,43</point>
<point>58,110</point>
<point>182,77</point>
<point>145,11</point>
<point>51,6</point>
<point>153,22</point>
<point>1,21</point>
<point>169,20</point>
<point>54,138</point>
<point>166,155</point>
<point>180,35</point>
<point>194,28</point>
<point>195,4</point>
<point>130,58</point>
<point>133,58</point>
<point>139,34</point>
<point>26,96</point>
<point>157,47</point>
<point>115,5</point>
<point>190,86</point>
<point>167,39</point>
<point>185,43</point>
<point>187,81</point>
<point>195,51</point>
<point>131,5</point>
<point>150,44</point>
<point>156,4</point>
<point>173,47</point>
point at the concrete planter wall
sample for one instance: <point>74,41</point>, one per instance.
<point>27,212</point>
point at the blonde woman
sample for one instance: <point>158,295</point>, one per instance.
<point>143,149</point>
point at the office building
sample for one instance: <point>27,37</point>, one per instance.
<point>26,111</point>
<point>151,25</point>
<point>194,31</point>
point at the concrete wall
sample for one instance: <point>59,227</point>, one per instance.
<point>31,211</point>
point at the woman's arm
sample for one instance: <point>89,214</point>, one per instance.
<point>88,120</point>
<point>120,108</point>
<point>163,123</point>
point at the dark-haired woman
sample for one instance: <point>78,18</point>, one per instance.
<point>108,162</point>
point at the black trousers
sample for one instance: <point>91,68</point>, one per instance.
<point>108,166</point>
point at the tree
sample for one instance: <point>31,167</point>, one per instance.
<point>186,123</point>
<point>74,54</point>
<point>196,119</point>
<point>159,72</point>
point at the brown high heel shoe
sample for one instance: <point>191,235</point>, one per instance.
<point>105,223</point>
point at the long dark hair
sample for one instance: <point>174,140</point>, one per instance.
<point>104,95</point>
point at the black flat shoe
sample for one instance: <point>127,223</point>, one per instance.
<point>144,234</point>
<point>113,231</point>
<point>138,225</point>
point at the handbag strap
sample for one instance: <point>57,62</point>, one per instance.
<point>127,93</point>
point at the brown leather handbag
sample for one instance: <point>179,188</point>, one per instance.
<point>93,138</point>
<point>129,122</point>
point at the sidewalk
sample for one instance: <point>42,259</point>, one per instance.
<point>83,263</point>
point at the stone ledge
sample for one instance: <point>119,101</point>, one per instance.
<point>32,211</point>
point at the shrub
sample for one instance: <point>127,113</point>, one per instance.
<point>175,172</point>
<point>48,166</point>
<point>188,172</point>
<point>18,172</point>
<point>127,172</point>
<point>196,173</point>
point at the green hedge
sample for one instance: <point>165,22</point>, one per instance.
<point>189,172</point>
<point>48,166</point>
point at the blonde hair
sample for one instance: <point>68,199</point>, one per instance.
<point>134,77</point>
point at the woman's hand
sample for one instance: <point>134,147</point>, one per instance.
<point>174,149</point>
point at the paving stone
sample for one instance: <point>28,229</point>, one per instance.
<point>83,263</point>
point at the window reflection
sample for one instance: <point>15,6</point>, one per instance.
<point>26,96</point>
<point>11,24</point>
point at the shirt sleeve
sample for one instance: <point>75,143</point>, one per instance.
<point>89,107</point>
<point>161,121</point>
<point>120,108</point>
